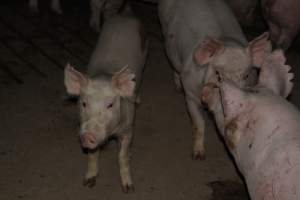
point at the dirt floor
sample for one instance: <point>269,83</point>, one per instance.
<point>40,155</point>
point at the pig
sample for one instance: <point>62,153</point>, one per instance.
<point>263,131</point>
<point>55,5</point>
<point>108,92</point>
<point>245,11</point>
<point>202,33</point>
<point>283,19</point>
<point>102,10</point>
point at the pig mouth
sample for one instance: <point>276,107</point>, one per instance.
<point>88,140</point>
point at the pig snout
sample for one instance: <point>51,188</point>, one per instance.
<point>88,140</point>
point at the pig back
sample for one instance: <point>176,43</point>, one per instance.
<point>120,43</point>
<point>187,23</point>
<point>271,144</point>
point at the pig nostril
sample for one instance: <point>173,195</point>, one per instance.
<point>92,141</point>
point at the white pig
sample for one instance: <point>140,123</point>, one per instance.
<point>102,10</point>
<point>263,131</point>
<point>202,33</point>
<point>108,92</point>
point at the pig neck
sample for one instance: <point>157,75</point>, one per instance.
<point>127,114</point>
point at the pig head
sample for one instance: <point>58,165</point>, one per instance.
<point>100,102</point>
<point>235,64</point>
<point>262,131</point>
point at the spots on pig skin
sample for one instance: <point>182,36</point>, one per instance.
<point>273,131</point>
<point>267,190</point>
<point>250,145</point>
<point>230,136</point>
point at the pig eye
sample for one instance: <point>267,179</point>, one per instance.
<point>110,105</point>
<point>83,104</point>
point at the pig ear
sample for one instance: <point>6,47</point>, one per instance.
<point>123,82</point>
<point>74,80</point>
<point>233,99</point>
<point>274,74</point>
<point>207,50</point>
<point>259,49</point>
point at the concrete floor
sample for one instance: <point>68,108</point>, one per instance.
<point>40,155</point>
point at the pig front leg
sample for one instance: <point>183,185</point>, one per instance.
<point>196,113</point>
<point>33,6</point>
<point>55,5</point>
<point>97,7</point>
<point>92,168</point>
<point>124,162</point>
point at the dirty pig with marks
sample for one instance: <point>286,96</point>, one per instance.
<point>202,33</point>
<point>263,132</point>
<point>108,92</point>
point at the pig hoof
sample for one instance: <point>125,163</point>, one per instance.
<point>198,156</point>
<point>128,188</point>
<point>89,182</point>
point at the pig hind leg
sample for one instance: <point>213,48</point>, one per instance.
<point>124,162</point>
<point>198,122</point>
<point>92,169</point>
<point>55,5</point>
<point>33,6</point>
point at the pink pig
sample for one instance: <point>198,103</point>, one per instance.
<point>262,131</point>
<point>283,19</point>
<point>245,11</point>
